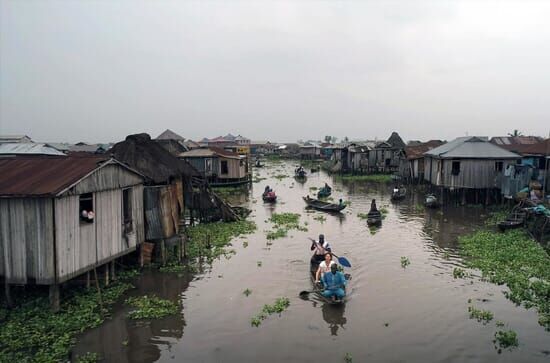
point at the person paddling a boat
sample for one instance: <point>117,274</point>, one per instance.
<point>324,266</point>
<point>320,247</point>
<point>334,283</point>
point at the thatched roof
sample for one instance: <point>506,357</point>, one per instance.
<point>396,141</point>
<point>151,159</point>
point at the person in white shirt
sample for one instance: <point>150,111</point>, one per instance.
<point>324,266</point>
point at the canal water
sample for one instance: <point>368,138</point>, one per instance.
<point>394,314</point>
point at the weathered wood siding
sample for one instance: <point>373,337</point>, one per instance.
<point>474,173</point>
<point>112,176</point>
<point>236,169</point>
<point>162,211</point>
<point>26,240</point>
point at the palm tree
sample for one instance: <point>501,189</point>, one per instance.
<point>515,133</point>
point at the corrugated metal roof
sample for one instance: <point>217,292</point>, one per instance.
<point>14,138</point>
<point>541,148</point>
<point>417,151</point>
<point>28,148</point>
<point>471,147</point>
<point>209,152</point>
<point>169,135</point>
<point>43,176</point>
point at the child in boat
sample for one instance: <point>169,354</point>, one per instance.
<point>324,266</point>
<point>334,283</point>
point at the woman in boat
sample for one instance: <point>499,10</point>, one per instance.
<point>334,283</point>
<point>320,247</point>
<point>324,266</point>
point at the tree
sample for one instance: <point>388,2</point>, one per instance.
<point>515,133</point>
<point>328,138</point>
<point>346,139</point>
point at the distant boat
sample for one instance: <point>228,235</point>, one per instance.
<point>431,201</point>
<point>324,206</point>
<point>398,194</point>
<point>269,197</point>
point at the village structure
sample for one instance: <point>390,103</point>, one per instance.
<point>71,210</point>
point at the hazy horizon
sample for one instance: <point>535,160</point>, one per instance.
<point>96,71</point>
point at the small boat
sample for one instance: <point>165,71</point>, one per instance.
<point>318,287</point>
<point>324,206</point>
<point>398,194</point>
<point>269,197</point>
<point>516,219</point>
<point>374,218</point>
<point>258,164</point>
<point>315,170</point>
<point>431,201</point>
<point>324,192</point>
<point>300,173</point>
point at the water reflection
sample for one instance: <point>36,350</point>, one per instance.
<point>333,314</point>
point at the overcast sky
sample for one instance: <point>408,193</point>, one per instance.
<point>98,70</point>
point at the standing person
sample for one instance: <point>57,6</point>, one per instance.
<point>324,266</point>
<point>334,283</point>
<point>320,247</point>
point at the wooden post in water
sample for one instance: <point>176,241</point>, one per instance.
<point>54,297</point>
<point>88,280</point>
<point>106,268</point>
<point>98,290</point>
<point>113,270</point>
<point>7,288</point>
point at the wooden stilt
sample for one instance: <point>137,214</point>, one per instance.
<point>7,288</point>
<point>113,271</point>
<point>106,267</point>
<point>54,297</point>
<point>88,280</point>
<point>98,290</point>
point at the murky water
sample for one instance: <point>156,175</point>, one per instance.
<point>417,314</point>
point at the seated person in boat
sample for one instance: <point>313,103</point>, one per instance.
<point>321,247</point>
<point>373,206</point>
<point>267,190</point>
<point>334,283</point>
<point>324,266</point>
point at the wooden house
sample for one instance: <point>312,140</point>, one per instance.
<point>386,155</point>
<point>412,162</point>
<point>467,163</point>
<point>309,151</point>
<point>219,166</point>
<point>63,216</point>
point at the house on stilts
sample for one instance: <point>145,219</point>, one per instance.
<point>62,217</point>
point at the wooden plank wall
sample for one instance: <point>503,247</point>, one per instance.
<point>26,236</point>
<point>109,177</point>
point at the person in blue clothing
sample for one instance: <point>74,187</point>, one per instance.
<point>334,283</point>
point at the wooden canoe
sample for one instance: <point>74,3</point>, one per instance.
<point>323,206</point>
<point>318,287</point>
<point>374,218</point>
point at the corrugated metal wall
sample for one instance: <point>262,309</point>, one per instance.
<point>26,240</point>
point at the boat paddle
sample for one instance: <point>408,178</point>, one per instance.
<point>341,260</point>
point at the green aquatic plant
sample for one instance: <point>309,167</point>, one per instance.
<point>506,339</point>
<point>247,292</point>
<point>150,307</point>
<point>245,244</point>
<point>312,188</point>
<point>405,261</point>
<point>459,273</point>
<point>210,239</point>
<point>499,323</point>
<point>88,358</point>
<point>376,178</point>
<point>278,307</point>
<point>320,218</point>
<point>363,215</point>
<point>259,263</point>
<point>484,316</point>
<point>419,208</point>
<point>497,216</point>
<point>348,358</point>
<point>514,259</point>
<point>280,176</point>
<point>283,222</point>
<point>32,333</point>
<point>383,210</point>
<point>173,267</point>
